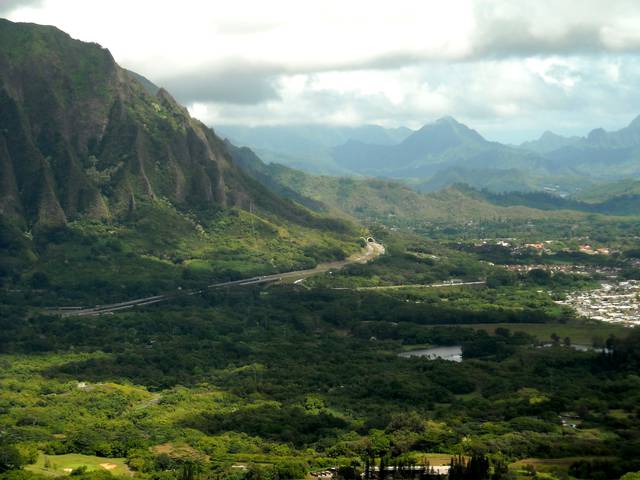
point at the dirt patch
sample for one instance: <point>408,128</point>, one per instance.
<point>165,448</point>
<point>179,452</point>
<point>108,466</point>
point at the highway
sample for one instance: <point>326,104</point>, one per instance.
<point>372,250</point>
<point>421,285</point>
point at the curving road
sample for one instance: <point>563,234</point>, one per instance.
<point>372,251</point>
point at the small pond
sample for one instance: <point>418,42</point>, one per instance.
<point>452,353</point>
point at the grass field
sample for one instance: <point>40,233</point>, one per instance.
<point>579,333</point>
<point>58,465</point>
<point>558,466</point>
<point>435,459</point>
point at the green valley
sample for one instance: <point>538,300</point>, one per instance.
<point>172,307</point>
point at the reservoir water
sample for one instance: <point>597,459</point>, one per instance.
<point>452,353</point>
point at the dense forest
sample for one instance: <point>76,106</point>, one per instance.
<point>173,308</point>
<point>278,382</point>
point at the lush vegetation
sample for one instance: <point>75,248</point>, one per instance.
<point>388,202</point>
<point>236,382</point>
<point>158,249</point>
<point>624,204</point>
<point>284,380</point>
<point>279,382</point>
<point>111,190</point>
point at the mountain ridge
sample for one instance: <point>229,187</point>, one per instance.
<point>109,188</point>
<point>80,136</point>
<point>308,146</point>
<point>445,151</point>
<point>627,136</point>
<point>389,202</point>
<point>435,147</point>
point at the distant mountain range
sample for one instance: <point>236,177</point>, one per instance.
<point>80,137</point>
<point>548,142</point>
<point>447,152</point>
<point>436,147</point>
<point>627,137</point>
<point>601,155</point>
<point>390,202</point>
<point>308,147</point>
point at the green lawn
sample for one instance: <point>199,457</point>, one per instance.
<point>579,333</point>
<point>551,465</point>
<point>58,465</point>
<point>435,459</point>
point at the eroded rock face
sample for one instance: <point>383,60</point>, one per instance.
<point>79,136</point>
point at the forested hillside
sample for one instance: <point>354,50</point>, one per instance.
<point>110,188</point>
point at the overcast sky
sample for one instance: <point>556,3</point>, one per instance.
<point>510,69</point>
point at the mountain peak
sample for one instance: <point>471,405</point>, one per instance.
<point>448,119</point>
<point>448,130</point>
<point>635,123</point>
<point>596,135</point>
<point>443,134</point>
<point>549,135</point>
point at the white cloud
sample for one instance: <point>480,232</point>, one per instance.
<point>506,66</point>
